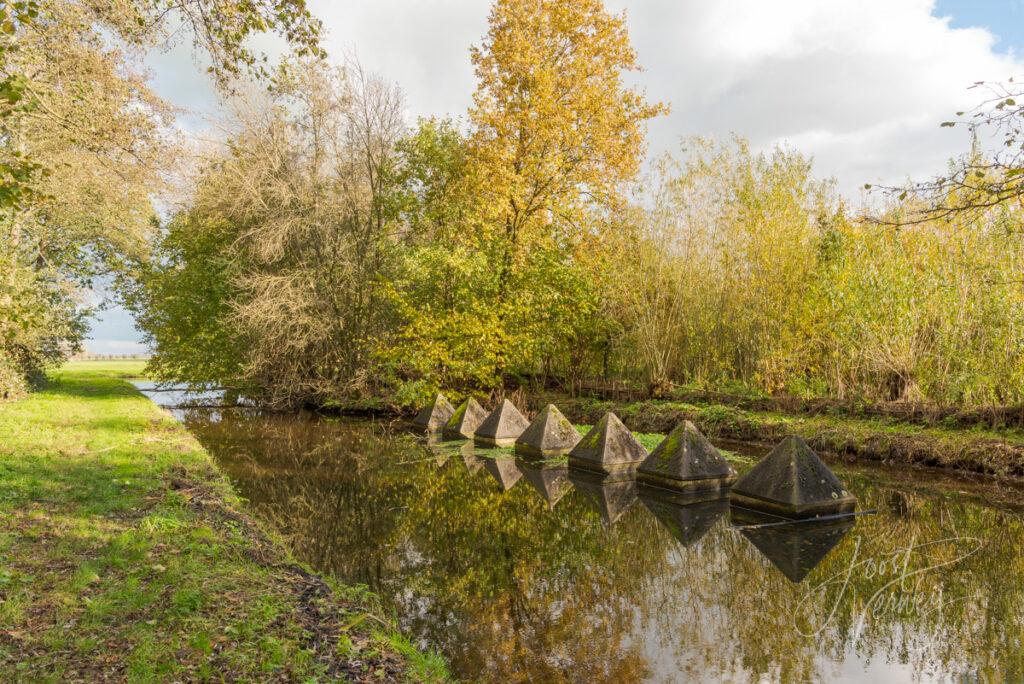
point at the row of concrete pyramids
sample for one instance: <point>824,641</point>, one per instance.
<point>792,481</point>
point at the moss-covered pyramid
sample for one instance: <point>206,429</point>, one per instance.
<point>550,434</point>
<point>610,496</point>
<point>552,481</point>
<point>433,417</point>
<point>504,470</point>
<point>688,522</point>
<point>465,420</point>
<point>502,427</point>
<point>686,461</point>
<point>792,482</point>
<point>609,448</point>
<point>798,548</point>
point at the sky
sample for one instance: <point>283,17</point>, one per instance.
<point>861,86</point>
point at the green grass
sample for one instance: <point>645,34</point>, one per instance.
<point>125,554</point>
<point>978,449</point>
<point>129,369</point>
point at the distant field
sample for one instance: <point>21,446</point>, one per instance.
<point>125,369</point>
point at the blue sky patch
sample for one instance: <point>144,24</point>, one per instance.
<point>1004,18</point>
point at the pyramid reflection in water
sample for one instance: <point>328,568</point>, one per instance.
<point>504,470</point>
<point>550,479</point>
<point>611,496</point>
<point>473,462</point>
<point>794,548</point>
<point>441,450</point>
<point>687,517</point>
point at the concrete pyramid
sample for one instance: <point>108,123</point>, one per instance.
<point>502,427</point>
<point>465,420</point>
<point>798,548</point>
<point>611,497</point>
<point>687,522</point>
<point>792,482</point>
<point>686,461</point>
<point>504,470</point>
<point>433,417</point>
<point>608,448</point>
<point>550,434</point>
<point>551,481</point>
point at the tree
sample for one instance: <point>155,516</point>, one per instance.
<point>556,132</point>
<point>94,135</point>
<point>84,146</point>
<point>554,136</point>
<point>292,228</point>
<point>722,257</point>
<point>219,28</point>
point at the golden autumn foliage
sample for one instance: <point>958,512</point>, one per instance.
<point>556,133</point>
<point>748,273</point>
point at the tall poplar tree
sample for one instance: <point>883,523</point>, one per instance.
<point>555,135</point>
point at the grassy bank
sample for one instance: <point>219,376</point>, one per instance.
<point>889,440</point>
<point>124,554</point>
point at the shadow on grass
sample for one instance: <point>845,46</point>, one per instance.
<point>88,386</point>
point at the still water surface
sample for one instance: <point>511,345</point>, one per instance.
<point>521,572</point>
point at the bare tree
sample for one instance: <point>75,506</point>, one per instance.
<point>976,182</point>
<point>305,184</point>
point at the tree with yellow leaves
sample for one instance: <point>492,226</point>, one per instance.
<point>556,131</point>
<point>555,135</point>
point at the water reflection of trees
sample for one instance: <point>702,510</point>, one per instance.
<point>511,590</point>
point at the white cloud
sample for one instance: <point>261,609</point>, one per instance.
<point>423,45</point>
<point>862,86</point>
